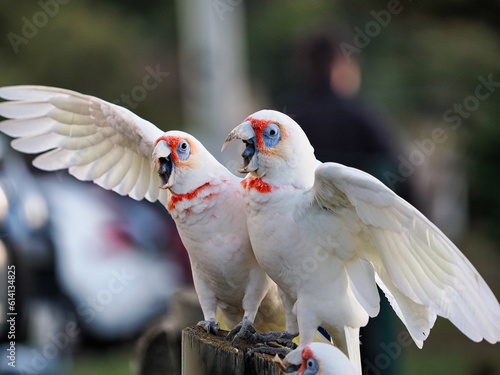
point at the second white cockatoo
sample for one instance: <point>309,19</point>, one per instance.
<point>323,359</point>
<point>109,145</point>
<point>328,234</point>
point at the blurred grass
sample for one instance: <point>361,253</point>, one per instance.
<point>115,361</point>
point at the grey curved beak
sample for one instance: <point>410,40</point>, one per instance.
<point>243,131</point>
<point>162,156</point>
<point>250,155</point>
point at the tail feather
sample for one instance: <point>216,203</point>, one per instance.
<point>352,343</point>
<point>347,340</point>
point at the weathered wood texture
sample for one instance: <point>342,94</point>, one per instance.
<point>159,349</point>
<point>207,354</point>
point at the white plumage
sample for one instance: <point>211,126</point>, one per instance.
<point>324,359</point>
<point>95,140</point>
<point>328,234</point>
<point>105,143</point>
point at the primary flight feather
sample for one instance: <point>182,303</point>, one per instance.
<point>109,145</point>
<point>328,234</point>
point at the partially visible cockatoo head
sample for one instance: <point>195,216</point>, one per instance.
<point>183,163</point>
<point>276,147</point>
<point>324,359</point>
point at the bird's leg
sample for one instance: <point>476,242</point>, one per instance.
<point>283,338</point>
<point>208,303</point>
<point>210,326</point>
<point>243,328</point>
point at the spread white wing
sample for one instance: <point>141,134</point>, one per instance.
<point>95,140</point>
<point>419,269</point>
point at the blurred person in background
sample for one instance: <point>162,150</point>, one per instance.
<point>343,128</point>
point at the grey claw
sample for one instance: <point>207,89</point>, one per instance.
<point>267,349</point>
<point>282,338</point>
<point>210,326</point>
<point>244,328</point>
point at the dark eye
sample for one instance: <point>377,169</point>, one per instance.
<point>312,366</point>
<point>272,130</point>
<point>271,135</point>
<point>183,150</point>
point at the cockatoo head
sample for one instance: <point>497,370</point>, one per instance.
<point>276,146</point>
<point>183,163</point>
<point>324,359</point>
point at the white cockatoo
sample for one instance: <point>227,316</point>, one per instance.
<point>105,143</point>
<point>328,234</point>
<point>323,359</point>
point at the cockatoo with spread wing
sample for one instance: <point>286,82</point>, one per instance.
<point>323,359</point>
<point>105,143</point>
<point>328,234</point>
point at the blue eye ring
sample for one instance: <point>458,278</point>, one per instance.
<point>272,130</point>
<point>312,367</point>
<point>271,135</point>
<point>183,150</point>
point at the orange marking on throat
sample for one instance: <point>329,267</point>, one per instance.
<point>176,198</point>
<point>257,184</point>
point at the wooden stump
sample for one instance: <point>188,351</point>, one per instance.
<point>159,349</point>
<point>207,354</point>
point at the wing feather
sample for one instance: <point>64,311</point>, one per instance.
<point>54,160</point>
<point>29,127</point>
<point>93,139</point>
<point>38,143</point>
<point>419,269</point>
<point>361,274</point>
<point>141,188</point>
<point>25,109</point>
<point>128,182</point>
<point>115,176</point>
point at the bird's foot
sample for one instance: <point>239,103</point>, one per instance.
<point>285,365</point>
<point>210,326</point>
<point>267,349</point>
<point>244,328</point>
<point>283,338</point>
